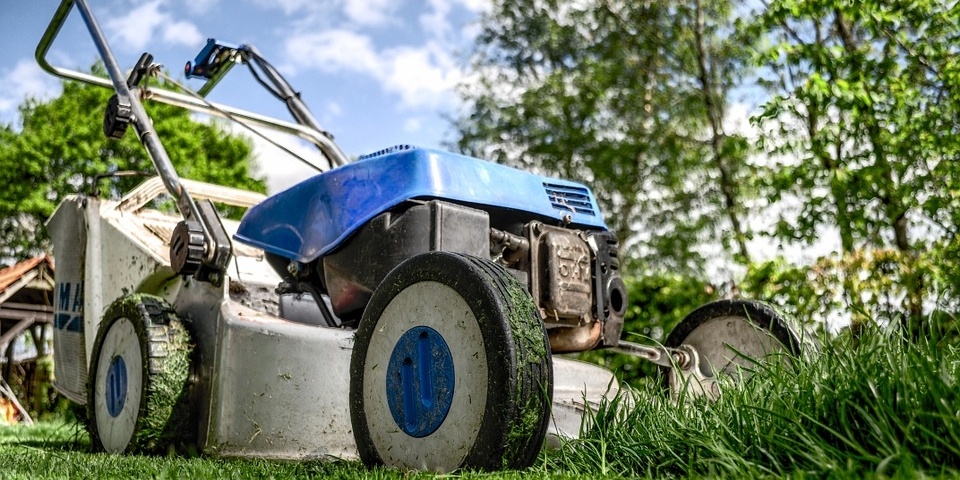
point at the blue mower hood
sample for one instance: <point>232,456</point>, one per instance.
<point>315,216</point>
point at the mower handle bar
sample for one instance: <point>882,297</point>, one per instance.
<point>117,82</point>
<point>327,146</point>
<point>217,248</point>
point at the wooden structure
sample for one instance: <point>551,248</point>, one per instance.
<point>26,320</point>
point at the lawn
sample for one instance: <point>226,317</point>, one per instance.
<point>875,406</point>
<point>62,450</point>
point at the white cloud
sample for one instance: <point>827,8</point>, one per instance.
<point>370,12</point>
<point>356,13</point>
<point>136,30</point>
<point>25,79</point>
<point>200,6</point>
<point>183,33</point>
<point>435,20</point>
<point>332,51</point>
<point>420,74</point>
<point>333,109</point>
<point>423,77</point>
<point>291,7</point>
<point>412,125</point>
<point>475,6</point>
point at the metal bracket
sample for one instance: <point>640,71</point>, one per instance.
<point>117,117</point>
<point>688,379</point>
<point>220,248</point>
<point>684,375</point>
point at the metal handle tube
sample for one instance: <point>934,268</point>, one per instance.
<point>329,149</point>
<point>659,355</point>
<point>296,106</point>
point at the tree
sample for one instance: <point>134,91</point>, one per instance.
<point>60,147</point>
<point>629,98</point>
<point>863,110</point>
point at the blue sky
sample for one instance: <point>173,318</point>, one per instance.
<point>374,72</point>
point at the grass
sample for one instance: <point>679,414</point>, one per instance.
<point>875,407</point>
<point>62,450</point>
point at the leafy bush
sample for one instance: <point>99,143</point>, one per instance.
<point>882,286</point>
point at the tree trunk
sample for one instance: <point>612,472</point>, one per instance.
<point>714,110</point>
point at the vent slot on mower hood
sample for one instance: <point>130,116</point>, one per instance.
<point>567,197</point>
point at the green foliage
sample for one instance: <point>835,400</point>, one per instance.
<point>862,124</point>
<point>60,147</point>
<point>658,301</point>
<point>945,256</point>
<point>858,136</point>
<point>862,287</point>
<point>809,293</point>
<point>627,97</point>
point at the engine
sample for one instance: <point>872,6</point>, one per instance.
<point>572,274</point>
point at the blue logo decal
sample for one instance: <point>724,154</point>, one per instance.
<point>116,386</point>
<point>420,381</point>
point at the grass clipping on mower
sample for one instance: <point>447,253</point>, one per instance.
<point>166,423</point>
<point>531,346</point>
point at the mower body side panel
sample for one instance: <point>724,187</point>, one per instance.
<point>266,387</point>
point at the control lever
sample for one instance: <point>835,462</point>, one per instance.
<point>118,114</point>
<point>140,70</point>
<point>212,63</point>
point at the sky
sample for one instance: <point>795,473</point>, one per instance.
<point>375,73</point>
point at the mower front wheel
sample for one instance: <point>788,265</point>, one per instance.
<point>451,369</point>
<point>138,387</point>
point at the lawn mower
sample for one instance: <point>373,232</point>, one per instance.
<point>410,307</point>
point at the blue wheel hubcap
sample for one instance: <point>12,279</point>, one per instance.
<point>420,381</point>
<point>116,386</point>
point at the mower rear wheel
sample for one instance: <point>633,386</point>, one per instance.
<point>732,335</point>
<point>138,386</point>
<point>451,369</point>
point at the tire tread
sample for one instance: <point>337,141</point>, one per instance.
<point>164,421</point>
